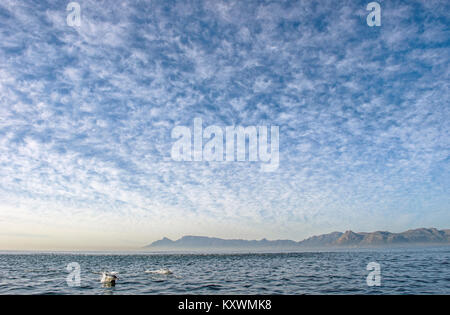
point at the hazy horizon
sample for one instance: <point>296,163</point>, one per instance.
<point>144,244</point>
<point>115,124</point>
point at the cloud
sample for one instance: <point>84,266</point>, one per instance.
<point>86,115</point>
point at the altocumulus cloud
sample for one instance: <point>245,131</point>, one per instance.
<point>86,116</point>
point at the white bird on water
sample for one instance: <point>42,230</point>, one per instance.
<point>109,278</point>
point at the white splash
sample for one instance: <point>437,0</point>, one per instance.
<point>162,271</point>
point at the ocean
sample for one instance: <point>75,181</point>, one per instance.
<point>401,271</point>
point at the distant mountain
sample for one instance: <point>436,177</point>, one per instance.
<point>379,238</point>
<point>423,236</point>
<point>322,240</point>
<point>203,242</point>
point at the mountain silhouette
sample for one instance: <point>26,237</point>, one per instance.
<point>422,236</point>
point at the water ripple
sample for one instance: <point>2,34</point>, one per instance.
<point>409,271</point>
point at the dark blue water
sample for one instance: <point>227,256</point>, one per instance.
<point>403,271</point>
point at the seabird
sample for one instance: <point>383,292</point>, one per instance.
<point>109,278</point>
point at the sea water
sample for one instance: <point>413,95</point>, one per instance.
<point>402,271</point>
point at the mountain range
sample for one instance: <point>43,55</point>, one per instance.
<point>422,236</point>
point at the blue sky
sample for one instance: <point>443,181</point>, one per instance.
<point>86,115</point>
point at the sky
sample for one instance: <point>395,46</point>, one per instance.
<point>87,113</point>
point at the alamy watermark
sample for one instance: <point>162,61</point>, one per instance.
<point>73,279</point>
<point>74,16</point>
<point>374,17</point>
<point>374,277</point>
<point>189,147</point>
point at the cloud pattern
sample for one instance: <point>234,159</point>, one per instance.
<point>86,115</point>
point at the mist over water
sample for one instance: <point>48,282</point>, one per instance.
<point>403,271</point>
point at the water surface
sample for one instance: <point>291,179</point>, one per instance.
<point>403,271</point>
